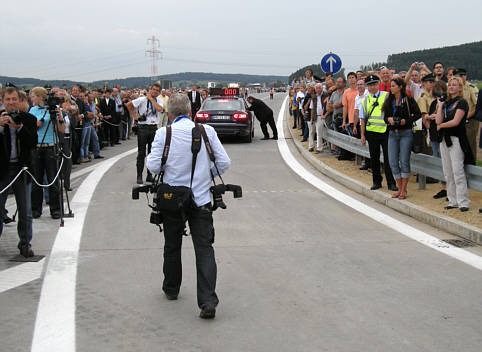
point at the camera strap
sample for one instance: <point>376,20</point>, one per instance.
<point>209,149</point>
<point>165,152</point>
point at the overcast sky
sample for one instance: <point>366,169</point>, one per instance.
<point>94,40</point>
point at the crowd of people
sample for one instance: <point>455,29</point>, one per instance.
<point>433,111</point>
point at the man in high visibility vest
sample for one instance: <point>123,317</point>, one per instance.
<point>374,130</point>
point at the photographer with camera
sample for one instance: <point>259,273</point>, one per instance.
<point>18,137</point>
<point>182,169</point>
<point>46,158</point>
<point>400,113</point>
<point>148,117</point>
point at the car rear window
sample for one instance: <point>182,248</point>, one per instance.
<point>222,104</point>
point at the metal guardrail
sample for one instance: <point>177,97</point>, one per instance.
<point>421,164</point>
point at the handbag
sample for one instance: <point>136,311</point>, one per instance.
<point>418,136</point>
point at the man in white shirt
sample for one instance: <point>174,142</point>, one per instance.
<point>177,172</point>
<point>317,119</point>
<point>147,118</point>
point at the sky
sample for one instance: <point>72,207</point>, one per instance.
<point>96,40</point>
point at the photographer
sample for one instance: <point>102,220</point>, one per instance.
<point>400,113</point>
<point>18,136</point>
<point>46,158</point>
<point>454,148</point>
<point>148,117</point>
<point>178,173</point>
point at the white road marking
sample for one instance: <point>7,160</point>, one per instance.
<point>406,230</point>
<point>20,275</point>
<point>55,322</point>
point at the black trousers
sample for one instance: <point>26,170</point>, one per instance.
<point>268,120</point>
<point>114,130</point>
<point>202,231</point>
<point>46,161</point>
<point>145,137</point>
<point>375,141</point>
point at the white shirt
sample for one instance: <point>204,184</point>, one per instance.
<point>179,161</point>
<point>300,95</point>
<point>359,101</point>
<point>141,105</point>
<point>319,105</point>
<point>193,96</point>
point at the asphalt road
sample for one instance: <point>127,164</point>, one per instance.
<point>297,271</point>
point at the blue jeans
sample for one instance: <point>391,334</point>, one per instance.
<point>436,153</point>
<point>95,141</point>
<point>84,147</point>
<point>399,151</point>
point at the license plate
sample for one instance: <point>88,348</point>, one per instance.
<point>222,117</point>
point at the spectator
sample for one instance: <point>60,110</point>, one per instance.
<point>426,96</point>
<point>45,154</point>
<point>66,142</point>
<point>470,95</point>
<point>294,108</point>
<point>195,99</point>
<point>335,107</point>
<point>386,76</point>
<point>362,93</point>
<point>107,108</point>
<point>413,80</point>
<point>438,71</point>
<point>309,76</point>
<point>300,97</point>
<point>450,72</point>
<point>349,103</point>
<point>439,90</point>
<point>164,118</point>
<point>318,108</point>
<point>400,112</point>
<point>306,111</point>
<point>454,148</point>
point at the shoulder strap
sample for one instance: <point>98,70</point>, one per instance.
<point>209,150</point>
<point>165,153</point>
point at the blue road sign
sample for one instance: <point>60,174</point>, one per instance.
<point>331,63</point>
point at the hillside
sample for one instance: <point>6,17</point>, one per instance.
<point>468,56</point>
<point>178,79</point>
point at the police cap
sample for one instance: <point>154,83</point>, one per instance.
<point>429,78</point>
<point>372,79</point>
<point>460,72</point>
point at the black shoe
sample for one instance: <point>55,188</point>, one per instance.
<point>376,186</point>
<point>364,167</point>
<point>311,149</point>
<point>139,180</point>
<point>170,297</point>
<point>55,215</point>
<point>118,143</point>
<point>68,189</point>
<point>36,214</point>
<point>98,157</point>
<point>304,140</point>
<point>464,209</point>
<point>441,194</point>
<point>264,138</point>
<point>448,207</point>
<point>393,188</point>
<point>275,138</point>
<point>431,180</point>
<point>343,157</point>
<point>27,252</point>
<point>207,313</point>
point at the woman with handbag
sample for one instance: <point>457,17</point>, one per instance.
<point>400,113</point>
<point>454,148</point>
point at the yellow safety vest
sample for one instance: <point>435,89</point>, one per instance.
<point>373,114</point>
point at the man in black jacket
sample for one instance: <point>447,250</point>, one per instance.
<point>108,111</point>
<point>195,99</point>
<point>264,114</point>
<point>18,137</point>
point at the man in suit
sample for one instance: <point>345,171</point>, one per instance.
<point>264,114</point>
<point>195,99</point>
<point>110,125</point>
<point>18,137</point>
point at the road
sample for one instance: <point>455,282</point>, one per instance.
<point>298,271</point>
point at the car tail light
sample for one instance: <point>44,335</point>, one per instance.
<point>202,116</point>
<point>240,116</point>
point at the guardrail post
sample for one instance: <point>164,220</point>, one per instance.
<point>358,159</point>
<point>422,181</point>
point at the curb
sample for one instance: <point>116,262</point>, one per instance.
<point>417,212</point>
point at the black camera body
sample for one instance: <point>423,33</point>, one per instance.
<point>441,96</point>
<point>156,217</point>
<point>142,118</point>
<point>15,115</point>
<point>218,191</point>
<point>397,120</point>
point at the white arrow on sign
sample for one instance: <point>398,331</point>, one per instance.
<point>331,60</point>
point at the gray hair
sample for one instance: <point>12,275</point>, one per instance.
<point>178,105</point>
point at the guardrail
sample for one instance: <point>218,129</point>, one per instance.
<point>421,164</point>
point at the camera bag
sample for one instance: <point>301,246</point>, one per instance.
<point>173,199</point>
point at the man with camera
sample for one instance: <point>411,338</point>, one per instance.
<point>181,170</point>
<point>147,117</point>
<point>18,136</point>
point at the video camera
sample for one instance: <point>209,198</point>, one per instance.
<point>53,102</point>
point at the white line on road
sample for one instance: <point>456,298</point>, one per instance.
<point>55,323</point>
<point>406,230</point>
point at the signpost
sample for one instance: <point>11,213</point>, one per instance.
<point>331,63</point>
